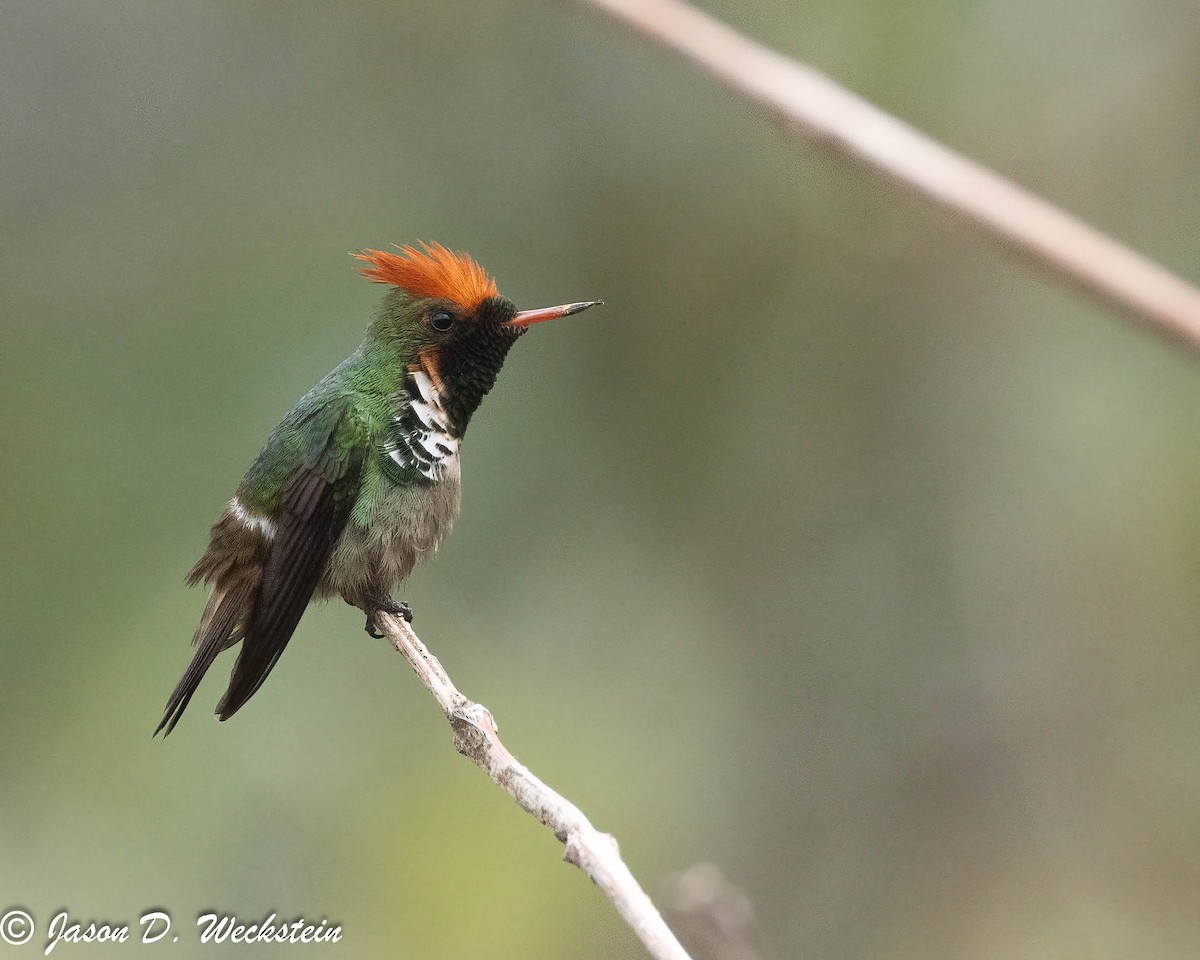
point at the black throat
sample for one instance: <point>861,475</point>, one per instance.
<point>471,362</point>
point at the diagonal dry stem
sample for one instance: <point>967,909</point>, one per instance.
<point>813,105</point>
<point>595,853</point>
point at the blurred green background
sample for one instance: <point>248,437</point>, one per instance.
<point>839,549</point>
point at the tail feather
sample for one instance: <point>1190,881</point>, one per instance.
<point>221,627</point>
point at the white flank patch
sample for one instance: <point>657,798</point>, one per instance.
<point>252,521</point>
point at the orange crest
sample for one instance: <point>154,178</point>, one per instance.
<point>432,271</point>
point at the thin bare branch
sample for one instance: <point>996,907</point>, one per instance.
<point>595,853</point>
<point>814,105</point>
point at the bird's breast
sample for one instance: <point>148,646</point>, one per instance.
<point>393,527</point>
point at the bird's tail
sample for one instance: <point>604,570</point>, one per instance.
<point>225,616</point>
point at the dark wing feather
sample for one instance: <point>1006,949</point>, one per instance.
<point>316,504</point>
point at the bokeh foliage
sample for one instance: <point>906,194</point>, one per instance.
<point>838,549</point>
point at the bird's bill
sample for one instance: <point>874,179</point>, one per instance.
<point>528,317</point>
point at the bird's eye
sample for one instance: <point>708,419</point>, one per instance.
<point>441,321</point>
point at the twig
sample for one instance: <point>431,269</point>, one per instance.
<point>813,104</point>
<point>595,853</point>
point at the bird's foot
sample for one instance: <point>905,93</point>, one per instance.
<point>377,605</point>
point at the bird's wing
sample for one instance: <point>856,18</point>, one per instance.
<point>317,499</point>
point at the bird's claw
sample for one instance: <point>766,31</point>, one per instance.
<point>386,605</point>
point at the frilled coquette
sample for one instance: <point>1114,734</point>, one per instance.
<point>361,479</point>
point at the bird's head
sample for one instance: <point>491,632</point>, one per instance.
<point>447,319</point>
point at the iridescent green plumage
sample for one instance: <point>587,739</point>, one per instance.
<point>360,480</point>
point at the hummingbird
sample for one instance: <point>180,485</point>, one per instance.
<point>361,479</point>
